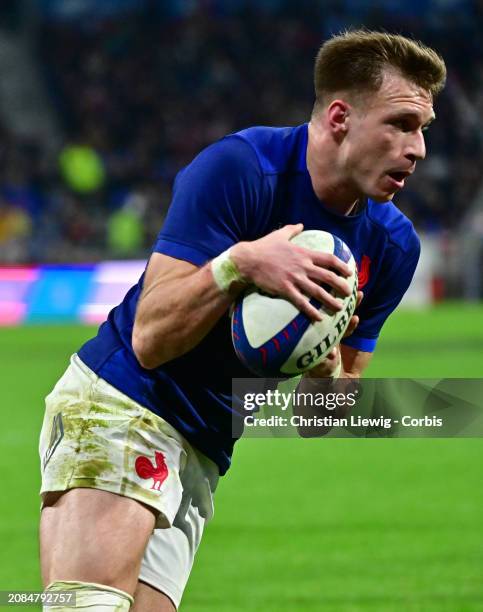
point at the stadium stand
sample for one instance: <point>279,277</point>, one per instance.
<point>141,88</point>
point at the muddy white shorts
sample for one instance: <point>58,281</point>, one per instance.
<point>95,436</point>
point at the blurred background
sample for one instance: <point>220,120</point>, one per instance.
<point>101,103</point>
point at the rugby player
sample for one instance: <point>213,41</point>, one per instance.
<point>138,430</point>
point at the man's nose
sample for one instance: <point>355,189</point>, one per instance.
<point>416,148</point>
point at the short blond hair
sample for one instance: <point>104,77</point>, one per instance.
<point>355,61</point>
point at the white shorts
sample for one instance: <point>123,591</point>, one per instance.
<point>95,436</point>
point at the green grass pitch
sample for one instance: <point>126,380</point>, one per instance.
<point>332,525</point>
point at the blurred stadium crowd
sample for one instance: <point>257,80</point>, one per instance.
<point>138,88</point>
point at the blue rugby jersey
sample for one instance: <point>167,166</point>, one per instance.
<point>242,188</point>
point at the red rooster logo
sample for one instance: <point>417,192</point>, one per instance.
<point>364,271</point>
<point>145,469</point>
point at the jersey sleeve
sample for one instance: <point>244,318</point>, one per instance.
<point>392,283</point>
<point>215,198</point>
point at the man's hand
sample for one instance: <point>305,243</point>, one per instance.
<point>354,322</point>
<point>181,303</point>
<point>342,361</point>
<point>330,367</point>
<point>332,364</point>
<point>279,267</point>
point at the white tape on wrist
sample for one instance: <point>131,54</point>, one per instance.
<point>225,271</point>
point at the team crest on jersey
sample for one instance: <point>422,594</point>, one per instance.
<point>363,270</point>
<point>145,469</point>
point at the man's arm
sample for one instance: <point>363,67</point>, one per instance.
<point>352,363</point>
<point>334,373</point>
<point>343,361</point>
<point>179,305</point>
<point>180,302</point>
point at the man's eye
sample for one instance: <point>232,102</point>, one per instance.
<point>407,126</point>
<point>401,125</point>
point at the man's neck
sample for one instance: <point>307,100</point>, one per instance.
<point>327,182</point>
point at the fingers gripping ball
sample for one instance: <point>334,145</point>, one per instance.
<point>273,338</point>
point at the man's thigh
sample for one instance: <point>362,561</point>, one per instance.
<point>87,535</point>
<point>149,599</point>
<point>95,437</point>
<point>110,472</point>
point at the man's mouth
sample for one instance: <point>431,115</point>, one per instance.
<point>397,178</point>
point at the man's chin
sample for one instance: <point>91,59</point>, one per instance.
<point>380,198</point>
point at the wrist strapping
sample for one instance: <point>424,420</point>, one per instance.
<point>225,271</point>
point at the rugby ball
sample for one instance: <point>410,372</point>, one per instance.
<point>272,338</point>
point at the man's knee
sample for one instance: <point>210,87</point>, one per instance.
<point>63,596</point>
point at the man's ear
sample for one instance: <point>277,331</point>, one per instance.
<point>337,116</point>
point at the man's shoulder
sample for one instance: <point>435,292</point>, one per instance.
<point>251,152</point>
<point>278,149</point>
<point>399,229</point>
